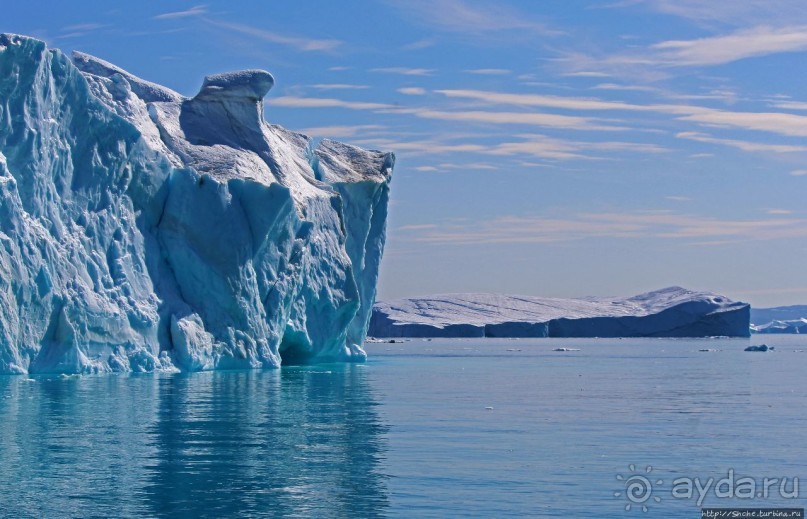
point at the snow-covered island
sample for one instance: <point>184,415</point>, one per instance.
<point>670,312</point>
<point>142,230</point>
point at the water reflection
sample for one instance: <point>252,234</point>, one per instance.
<point>304,441</point>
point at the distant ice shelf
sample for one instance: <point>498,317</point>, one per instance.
<point>790,326</point>
<point>780,319</point>
<point>141,230</point>
<point>670,312</point>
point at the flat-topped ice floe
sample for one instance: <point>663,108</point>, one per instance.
<point>143,230</point>
<point>670,312</point>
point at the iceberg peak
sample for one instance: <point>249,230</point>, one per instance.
<point>248,85</point>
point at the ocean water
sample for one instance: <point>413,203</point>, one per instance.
<point>442,428</point>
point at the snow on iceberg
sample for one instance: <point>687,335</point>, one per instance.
<point>670,312</point>
<point>141,230</point>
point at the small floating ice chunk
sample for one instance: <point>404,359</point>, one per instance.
<point>761,347</point>
<point>566,349</point>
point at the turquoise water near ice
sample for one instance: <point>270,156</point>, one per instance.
<point>443,428</point>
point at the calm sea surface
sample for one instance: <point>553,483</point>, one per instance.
<point>443,428</point>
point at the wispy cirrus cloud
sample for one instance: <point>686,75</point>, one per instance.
<point>790,105</point>
<point>741,44</point>
<point>296,42</point>
<point>339,86</point>
<point>781,123</point>
<point>471,16</point>
<point>490,71</point>
<point>546,147</point>
<point>423,43</point>
<point>412,91</point>
<point>626,88</point>
<point>193,11</point>
<point>341,131</point>
<point>741,144</point>
<point>658,224</point>
<point>665,59</point>
<point>319,102</point>
<point>747,12</point>
<point>567,122</point>
<point>404,71</point>
<point>78,30</point>
<point>83,27</point>
<point>526,146</point>
<point>791,125</point>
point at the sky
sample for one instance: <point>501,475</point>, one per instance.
<point>553,148</point>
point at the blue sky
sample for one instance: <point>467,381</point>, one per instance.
<point>555,148</point>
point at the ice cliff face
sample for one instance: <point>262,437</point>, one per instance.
<point>142,230</point>
<point>669,312</point>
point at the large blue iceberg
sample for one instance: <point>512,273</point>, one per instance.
<point>669,312</point>
<point>141,230</point>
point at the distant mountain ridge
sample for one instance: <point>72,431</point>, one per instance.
<point>669,312</point>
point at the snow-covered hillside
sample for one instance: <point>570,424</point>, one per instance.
<point>670,312</point>
<point>142,230</point>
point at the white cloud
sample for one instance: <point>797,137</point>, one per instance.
<point>791,125</point>
<point>569,103</point>
<point>490,71</point>
<point>799,172</point>
<point>743,145</point>
<point>530,119</point>
<point>543,146</point>
<point>790,105</point>
<point>424,43</point>
<point>645,224</point>
<point>412,91</point>
<point>318,102</point>
<point>744,43</point>
<point>471,16</point>
<point>340,132</point>
<point>82,27</point>
<point>422,147</point>
<point>339,86</point>
<point>296,42</point>
<point>472,166</point>
<point>781,123</point>
<point>587,73</point>
<point>193,11</point>
<point>404,71</point>
<point>746,12</point>
<point>627,88</point>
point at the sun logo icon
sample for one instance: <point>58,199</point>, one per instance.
<point>638,488</point>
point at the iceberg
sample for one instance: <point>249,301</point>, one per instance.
<point>781,319</point>
<point>789,326</point>
<point>141,230</point>
<point>669,312</point>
